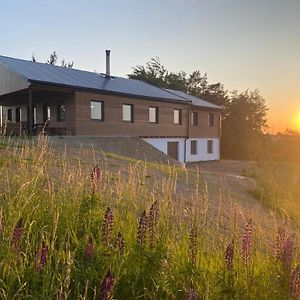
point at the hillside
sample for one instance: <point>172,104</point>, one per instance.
<point>79,223</point>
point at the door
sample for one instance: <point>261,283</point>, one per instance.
<point>173,149</point>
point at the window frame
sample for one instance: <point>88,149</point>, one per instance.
<point>61,117</point>
<point>194,120</point>
<point>210,147</point>
<point>131,112</point>
<point>211,119</point>
<point>10,114</point>
<point>194,147</point>
<point>179,116</point>
<point>102,110</point>
<point>156,109</point>
<point>46,112</point>
<point>18,113</point>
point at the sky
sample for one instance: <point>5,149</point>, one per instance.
<point>240,43</point>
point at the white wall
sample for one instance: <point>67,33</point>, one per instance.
<point>202,155</point>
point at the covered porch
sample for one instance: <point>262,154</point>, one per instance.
<point>37,110</point>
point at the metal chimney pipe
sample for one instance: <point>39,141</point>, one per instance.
<point>107,63</point>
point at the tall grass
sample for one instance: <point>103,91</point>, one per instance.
<point>76,230</point>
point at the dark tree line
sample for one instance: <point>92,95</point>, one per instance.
<point>244,116</point>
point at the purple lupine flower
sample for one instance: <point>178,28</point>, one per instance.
<point>193,243</point>
<point>142,229</point>
<point>247,241</point>
<point>95,176</point>
<point>152,223</point>
<point>42,257</point>
<point>279,242</point>
<point>89,250</point>
<point>294,288</point>
<point>106,289</point>
<point>107,227</point>
<point>191,293</point>
<point>229,254</point>
<point>120,244</point>
<point>17,236</point>
<point>288,253</point>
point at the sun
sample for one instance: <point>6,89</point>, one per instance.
<point>297,121</point>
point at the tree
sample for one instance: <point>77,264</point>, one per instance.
<point>53,58</point>
<point>244,125</point>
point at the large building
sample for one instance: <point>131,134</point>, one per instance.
<point>81,103</point>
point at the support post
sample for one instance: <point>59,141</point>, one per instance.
<point>29,115</point>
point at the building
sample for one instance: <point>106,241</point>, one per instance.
<point>66,101</point>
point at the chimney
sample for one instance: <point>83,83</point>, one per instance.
<point>107,63</point>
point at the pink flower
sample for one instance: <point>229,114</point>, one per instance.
<point>247,241</point>
<point>106,289</point>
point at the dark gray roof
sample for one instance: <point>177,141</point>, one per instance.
<point>55,75</point>
<point>195,101</point>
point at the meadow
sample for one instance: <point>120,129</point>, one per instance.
<point>74,229</point>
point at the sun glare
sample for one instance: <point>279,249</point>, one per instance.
<point>297,121</point>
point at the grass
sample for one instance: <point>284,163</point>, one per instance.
<point>52,212</point>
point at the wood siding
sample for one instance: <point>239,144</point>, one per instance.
<point>113,124</point>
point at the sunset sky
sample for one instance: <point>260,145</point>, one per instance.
<point>243,44</point>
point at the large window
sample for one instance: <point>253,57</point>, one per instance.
<point>178,116</point>
<point>153,114</point>
<point>97,110</point>
<point>194,118</point>
<point>61,112</point>
<point>194,147</point>
<point>128,112</point>
<point>18,114</point>
<point>10,114</point>
<point>210,146</point>
<point>211,120</point>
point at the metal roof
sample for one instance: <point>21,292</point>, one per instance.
<point>195,101</point>
<point>55,75</point>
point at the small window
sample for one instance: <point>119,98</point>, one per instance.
<point>128,112</point>
<point>18,114</point>
<point>194,118</point>
<point>194,147</point>
<point>178,116</point>
<point>46,112</point>
<point>10,115</point>
<point>153,114</point>
<point>210,146</point>
<point>211,120</point>
<point>61,112</point>
<point>97,110</point>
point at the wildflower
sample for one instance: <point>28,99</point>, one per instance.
<point>1,223</point>
<point>280,241</point>
<point>107,226</point>
<point>294,288</point>
<point>247,241</point>
<point>229,254</point>
<point>191,293</point>
<point>106,289</point>
<point>288,252</point>
<point>89,250</point>
<point>193,243</point>
<point>152,223</point>
<point>17,236</point>
<point>120,244</point>
<point>95,176</point>
<point>142,229</point>
<point>42,257</point>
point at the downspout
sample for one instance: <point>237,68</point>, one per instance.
<point>187,133</point>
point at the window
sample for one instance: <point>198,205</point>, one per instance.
<point>18,114</point>
<point>10,114</point>
<point>61,112</point>
<point>210,146</point>
<point>153,114</point>
<point>211,120</point>
<point>46,112</point>
<point>34,115</point>
<point>128,112</point>
<point>97,110</point>
<point>194,147</point>
<point>177,116</point>
<point>194,118</point>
